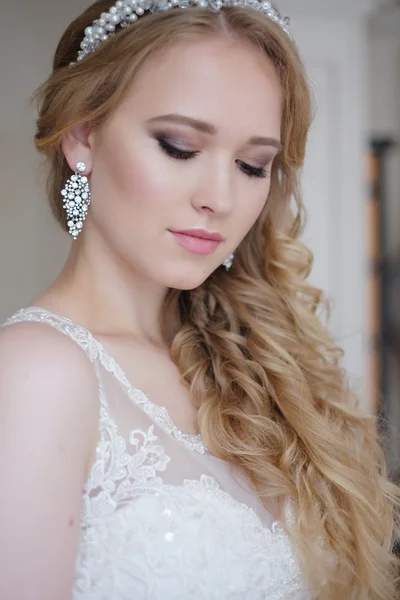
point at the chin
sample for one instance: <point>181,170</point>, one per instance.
<point>186,279</point>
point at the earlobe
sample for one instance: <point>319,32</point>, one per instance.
<point>76,146</point>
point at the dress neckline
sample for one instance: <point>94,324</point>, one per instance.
<point>159,414</point>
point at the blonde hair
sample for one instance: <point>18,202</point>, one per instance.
<point>262,368</point>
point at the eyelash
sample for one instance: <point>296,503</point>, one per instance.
<point>173,152</point>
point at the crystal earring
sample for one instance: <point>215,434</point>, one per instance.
<point>77,198</point>
<point>228,262</point>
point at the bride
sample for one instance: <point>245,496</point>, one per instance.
<point>174,422</point>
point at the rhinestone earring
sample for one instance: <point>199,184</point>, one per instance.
<point>228,262</point>
<point>77,199</point>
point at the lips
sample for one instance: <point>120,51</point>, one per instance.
<point>198,241</point>
<point>201,234</point>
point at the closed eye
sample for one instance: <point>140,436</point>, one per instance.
<point>180,154</point>
<point>176,152</point>
<point>251,171</point>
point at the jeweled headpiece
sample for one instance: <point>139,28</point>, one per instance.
<point>127,12</point>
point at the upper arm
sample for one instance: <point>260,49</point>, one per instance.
<point>48,424</point>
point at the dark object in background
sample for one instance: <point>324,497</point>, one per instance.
<point>384,300</point>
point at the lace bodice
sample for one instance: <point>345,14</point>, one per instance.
<point>162,518</point>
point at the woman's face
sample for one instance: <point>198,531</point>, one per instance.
<point>189,151</point>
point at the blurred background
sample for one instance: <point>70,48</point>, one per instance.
<point>351,180</point>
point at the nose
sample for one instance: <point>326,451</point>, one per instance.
<point>215,190</point>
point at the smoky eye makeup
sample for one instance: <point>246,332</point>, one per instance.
<point>174,151</point>
<point>177,138</point>
<point>178,147</point>
<point>251,171</point>
<point>257,166</point>
<point>175,144</point>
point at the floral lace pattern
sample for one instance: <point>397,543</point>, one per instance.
<point>118,476</point>
<point>143,538</point>
<point>187,542</point>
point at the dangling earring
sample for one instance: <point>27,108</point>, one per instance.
<point>228,262</point>
<point>77,199</point>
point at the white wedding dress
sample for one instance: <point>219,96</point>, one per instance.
<point>162,518</point>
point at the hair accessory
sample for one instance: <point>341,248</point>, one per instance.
<point>77,198</point>
<point>127,12</point>
<point>228,262</point>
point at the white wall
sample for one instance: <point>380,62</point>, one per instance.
<point>32,248</point>
<point>332,37</point>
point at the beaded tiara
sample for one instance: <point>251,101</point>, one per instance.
<point>126,12</point>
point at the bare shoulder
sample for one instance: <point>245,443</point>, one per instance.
<point>33,341</point>
<point>46,377</point>
<point>35,354</point>
<point>49,411</point>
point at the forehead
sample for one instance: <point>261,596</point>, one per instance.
<point>226,82</point>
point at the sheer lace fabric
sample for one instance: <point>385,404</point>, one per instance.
<point>162,518</point>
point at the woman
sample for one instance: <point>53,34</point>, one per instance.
<point>176,370</point>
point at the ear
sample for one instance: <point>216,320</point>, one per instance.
<point>77,147</point>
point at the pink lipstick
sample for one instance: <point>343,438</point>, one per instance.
<point>198,241</point>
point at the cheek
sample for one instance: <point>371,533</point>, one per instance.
<point>137,179</point>
<point>252,208</point>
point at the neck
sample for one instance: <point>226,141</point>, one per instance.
<point>103,293</point>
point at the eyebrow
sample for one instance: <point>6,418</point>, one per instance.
<point>210,129</point>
